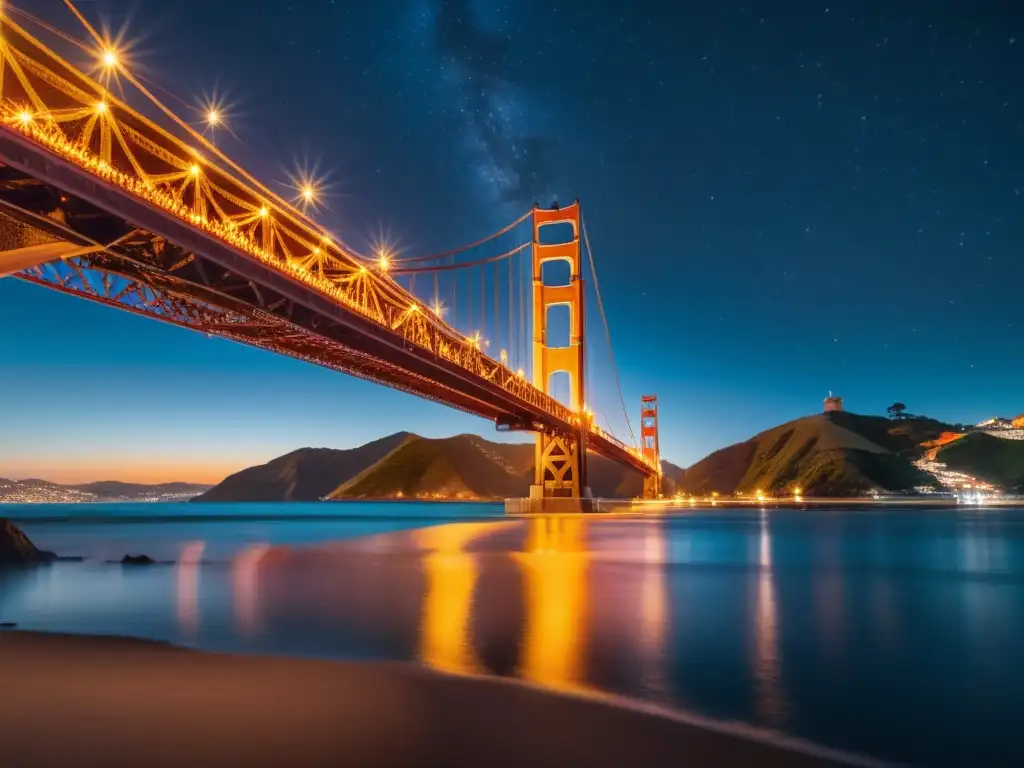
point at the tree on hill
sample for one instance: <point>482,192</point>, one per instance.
<point>896,410</point>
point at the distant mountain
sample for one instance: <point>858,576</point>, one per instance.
<point>410,466</point>
<point>992,459</point>
<point>827,454</point>
<point>307,474</point>
<point>35,490</point>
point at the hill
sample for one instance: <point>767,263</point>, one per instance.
<point>409,466</point>
<point>307,474</point>
<point>469,467</point>
<point>827,454</point>
<point>992,459</point>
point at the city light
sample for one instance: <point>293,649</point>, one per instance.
<point>383,260</point>
<point>213,118</point>
<point>110,58</point>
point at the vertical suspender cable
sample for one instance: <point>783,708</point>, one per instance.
<point>483,298</point>
<point>509,334</point>
<point>607,332</point>
<point>495,331</point>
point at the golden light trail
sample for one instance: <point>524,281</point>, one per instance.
<point>554,570</point>
<point>445,640</point>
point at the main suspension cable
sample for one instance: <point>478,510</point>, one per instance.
<point>464,265</point>
<point>461,249</point>
<point>607,331</point>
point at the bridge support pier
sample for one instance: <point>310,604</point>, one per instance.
<point>560,460</point>
<point>649,447</point>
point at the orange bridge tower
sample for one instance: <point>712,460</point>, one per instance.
<point>560,459</point>
<point>649,448</point>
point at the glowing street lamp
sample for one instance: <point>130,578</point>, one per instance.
<point>110,58</point>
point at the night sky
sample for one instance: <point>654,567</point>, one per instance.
<point>784,199</point>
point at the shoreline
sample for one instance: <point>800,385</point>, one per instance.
<point>85,699</point>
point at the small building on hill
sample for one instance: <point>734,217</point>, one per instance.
<point>833,403</point>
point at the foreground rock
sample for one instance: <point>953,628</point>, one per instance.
<point>137,560</point>
<point>16,549</point>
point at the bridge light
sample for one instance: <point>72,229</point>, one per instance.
<point>264,212</point>
<point>25,117</point>
<point>362,270</point>
<point>520,373</point>
<point>503,356</point>
<point>213,118</point>
<point>413,308</point>
<point>384,262</point>
<point>109,58</point>
<point>101,107</point>
<point>194,170</point>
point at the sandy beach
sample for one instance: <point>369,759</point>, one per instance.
<point>76,700</point>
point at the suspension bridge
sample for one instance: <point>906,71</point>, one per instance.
<point>143,212</point>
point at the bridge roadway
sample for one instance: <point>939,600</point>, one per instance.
<point>96,224</point>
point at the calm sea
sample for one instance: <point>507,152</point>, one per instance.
<point>892,633</point>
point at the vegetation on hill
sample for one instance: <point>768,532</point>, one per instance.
<point>992,459</point>
<point>307,474</point>
<point>460,467</point>
<point>828,454</point>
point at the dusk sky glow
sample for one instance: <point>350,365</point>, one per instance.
<point>782,200</point>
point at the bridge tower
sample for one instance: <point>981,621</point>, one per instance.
<point>649,444</point>
<point>559,459</point>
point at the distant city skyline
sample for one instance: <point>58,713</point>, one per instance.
<point>781,203</point>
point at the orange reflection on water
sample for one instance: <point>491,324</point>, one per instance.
<point>451,575</point>
<point>187,581</point>
<point>245,574</point>
<point>654,610</point>
<point>554,570</point>
<point>768,673</point>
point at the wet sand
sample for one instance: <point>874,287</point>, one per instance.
<point>76,700</point>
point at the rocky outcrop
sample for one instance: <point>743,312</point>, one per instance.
<point>16,549</point>
<point>137,560</point>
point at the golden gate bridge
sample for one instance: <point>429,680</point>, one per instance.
<point>147,215</point>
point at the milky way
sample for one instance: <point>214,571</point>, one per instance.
<point>493,101</point>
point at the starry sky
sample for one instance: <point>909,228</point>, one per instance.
<point>784,199</point>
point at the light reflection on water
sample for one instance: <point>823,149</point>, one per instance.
<point>893,634</point>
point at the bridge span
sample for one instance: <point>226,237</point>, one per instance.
<point>101,202</point>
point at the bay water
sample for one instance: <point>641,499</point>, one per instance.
<point>896,633</point>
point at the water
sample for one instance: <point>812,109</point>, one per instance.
<point>891,633</point>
